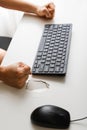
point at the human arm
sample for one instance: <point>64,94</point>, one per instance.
<point>46,11</point>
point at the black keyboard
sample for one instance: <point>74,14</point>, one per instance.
<point>53,51</point>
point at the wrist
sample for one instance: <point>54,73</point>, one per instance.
<point>37,10</point>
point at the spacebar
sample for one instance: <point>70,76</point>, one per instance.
<point>41,45</point>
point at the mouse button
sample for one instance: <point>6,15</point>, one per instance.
<point>65,119</point>
<point>38,115</point>
<point>62,112</point>
<point>62,117</point>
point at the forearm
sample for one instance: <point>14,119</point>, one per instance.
<point>1,73</point>
<point>21,5</point>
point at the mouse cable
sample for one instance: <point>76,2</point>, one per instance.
<point>79,119</point>
<point>40,81</point>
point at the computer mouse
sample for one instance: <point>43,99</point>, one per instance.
<point>51,116</point>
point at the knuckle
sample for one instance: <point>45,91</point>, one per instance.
<point>17,73</point>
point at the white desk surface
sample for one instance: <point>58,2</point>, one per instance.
<point>70,92</point>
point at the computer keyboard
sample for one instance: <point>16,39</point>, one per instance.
<point>53,52</point>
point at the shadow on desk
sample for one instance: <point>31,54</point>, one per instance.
<point>54,78</point>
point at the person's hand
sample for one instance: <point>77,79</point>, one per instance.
<point>16,74</point>
<point>46,11</point>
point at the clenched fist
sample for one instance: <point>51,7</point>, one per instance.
<point>46,11</point>
<point>15,74</point>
